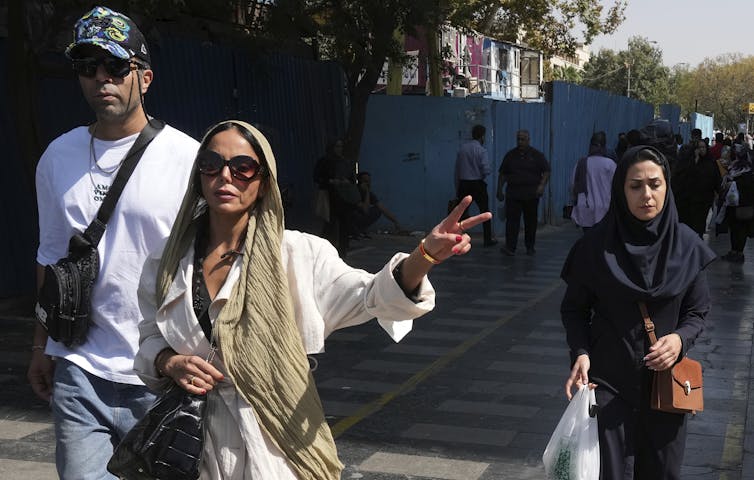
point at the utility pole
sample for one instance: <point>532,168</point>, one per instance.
<point>628,87</point>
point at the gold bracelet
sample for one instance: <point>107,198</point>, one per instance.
<point>427,256</point>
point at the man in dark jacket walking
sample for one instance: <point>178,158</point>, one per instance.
<point>526,171</point>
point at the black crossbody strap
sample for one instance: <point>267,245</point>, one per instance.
<point>96,229</point>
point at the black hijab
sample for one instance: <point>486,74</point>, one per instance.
<point>658,258</point>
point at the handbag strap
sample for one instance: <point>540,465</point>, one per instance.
<point>96,229</point>
<point>649,326</point>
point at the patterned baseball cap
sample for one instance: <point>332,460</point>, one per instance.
<point>111,31</point>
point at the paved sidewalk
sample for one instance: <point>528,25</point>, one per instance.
<point>475,390</point>
<point>477,387</point>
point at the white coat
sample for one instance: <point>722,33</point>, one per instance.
<point>327,295</point>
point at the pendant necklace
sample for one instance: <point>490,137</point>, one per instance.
<point>93,164</point>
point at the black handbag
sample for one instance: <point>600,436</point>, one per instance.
<point>64,302</point>
<point>167,443</point>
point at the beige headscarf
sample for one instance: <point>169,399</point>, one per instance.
<point>256,329</point>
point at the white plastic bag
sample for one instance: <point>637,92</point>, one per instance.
<point>718,214</point>
<point>731,197</point>
<point>573,452</point>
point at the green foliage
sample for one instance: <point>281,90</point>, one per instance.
<point>606,71</point>
<point>356,33</point>
<point>720,87</point>
<point>50,23</point>
<point>352,31</point>
<point>569,74</point>
<point>547,25</point>
<point>359,34</point>
<point>640,67</point>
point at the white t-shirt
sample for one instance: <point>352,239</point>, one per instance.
<point>70,190</point>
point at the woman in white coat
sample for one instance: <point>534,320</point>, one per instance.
<point>233,304</point>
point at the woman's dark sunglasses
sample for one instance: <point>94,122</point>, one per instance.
<point>242,167</point>
<point>117,67</point>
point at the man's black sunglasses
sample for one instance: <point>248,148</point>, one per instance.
<point>242,167</point>
<point>117,67</point>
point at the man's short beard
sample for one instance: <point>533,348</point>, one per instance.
<point>132,104</point>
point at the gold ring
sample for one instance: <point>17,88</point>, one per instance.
<point>191,379</point>
<point>460,225</point>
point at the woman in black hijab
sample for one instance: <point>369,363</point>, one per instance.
<point>639,252</point>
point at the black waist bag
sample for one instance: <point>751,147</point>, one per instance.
<point>64,303</point>
<point>65,297</point>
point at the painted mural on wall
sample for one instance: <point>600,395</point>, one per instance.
<point>473,65</point>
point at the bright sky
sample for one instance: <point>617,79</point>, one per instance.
<point>687,31</point>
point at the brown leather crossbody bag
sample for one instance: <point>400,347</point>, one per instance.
<point>679,388</point>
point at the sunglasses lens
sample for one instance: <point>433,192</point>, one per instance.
<point>243,167</point>
<point>86,67</point>
<point>116,67</point>
<point>209,162</point>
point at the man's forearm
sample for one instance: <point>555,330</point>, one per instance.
<point>40,334</point>
<point>40,276</point>
<point>545,179</point>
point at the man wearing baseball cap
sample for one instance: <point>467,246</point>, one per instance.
<point>95,395</point>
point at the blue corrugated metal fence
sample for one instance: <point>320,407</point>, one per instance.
<point>577,112</point>
<point>298,103</point>
<point>410,144</point>
<point>18,222</point>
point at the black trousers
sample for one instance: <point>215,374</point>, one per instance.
<point>694,216</point>
<point>513,210</point>
<point>340,224</point>
<point>739,230</point>
<point>638,444</point>
<point>478,191</point>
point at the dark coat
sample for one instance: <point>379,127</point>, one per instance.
<point>614,335</point>
<point>695,184</point>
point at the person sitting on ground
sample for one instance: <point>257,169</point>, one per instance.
<point>370,209</point>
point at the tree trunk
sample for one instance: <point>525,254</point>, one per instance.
<point>357,118</point>
<point>395,69</point>
<point>435,62</point>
